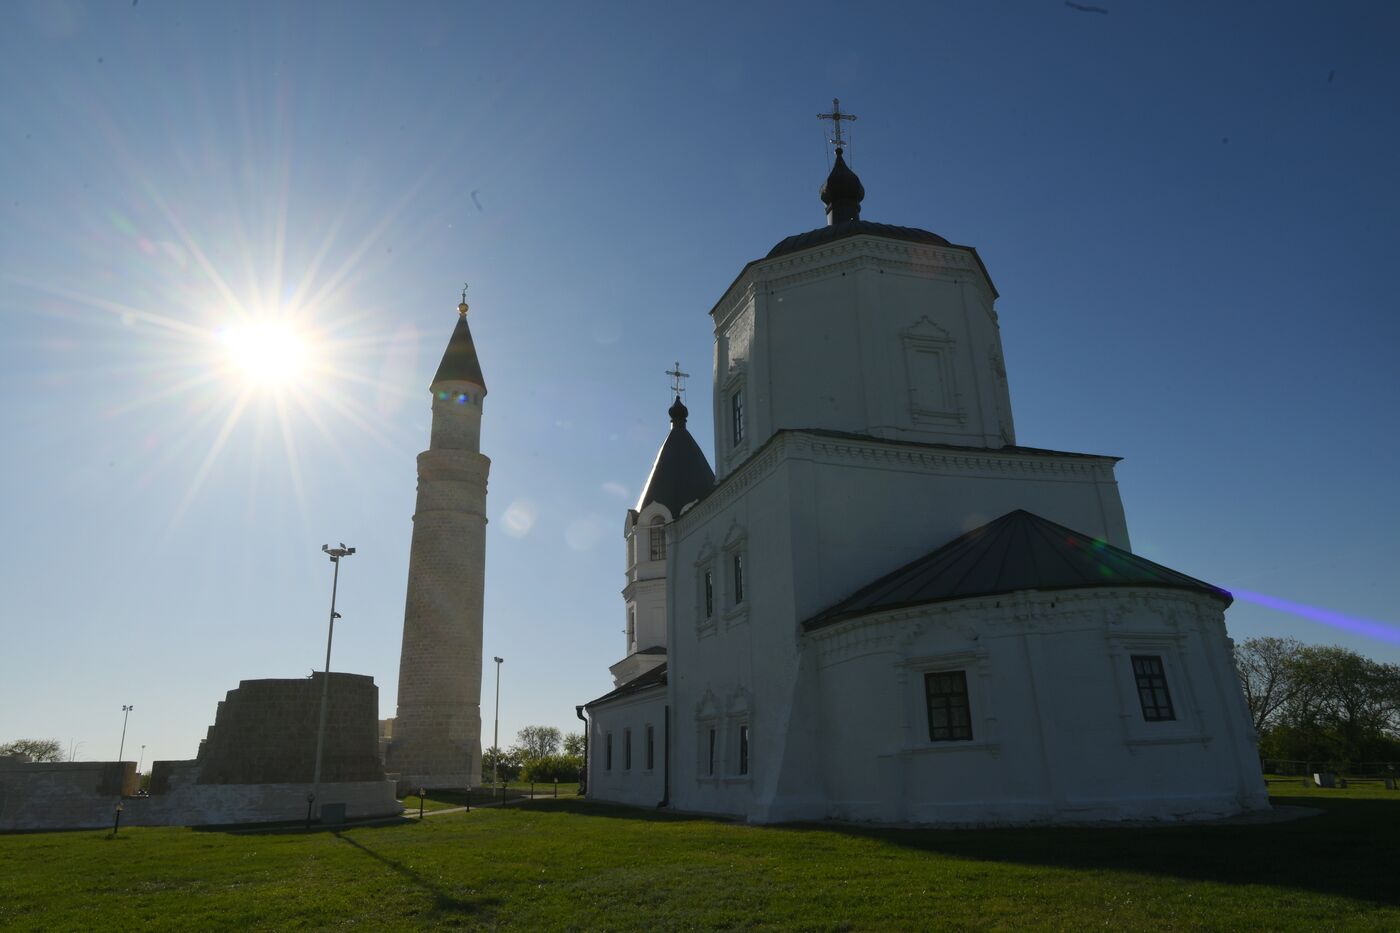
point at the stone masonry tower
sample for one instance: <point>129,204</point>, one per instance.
<point>437,732</point>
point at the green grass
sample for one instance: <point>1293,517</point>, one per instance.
<point>575,865</point>
<point>515,790</point>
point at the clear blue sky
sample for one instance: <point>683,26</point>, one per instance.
<point>1190,211</point>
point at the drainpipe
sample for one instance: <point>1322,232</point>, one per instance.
<point>583,775</point>
<point>666,757</point>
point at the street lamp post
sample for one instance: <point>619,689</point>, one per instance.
<point>335,554</point>
<point>126,712</point>
<point>496,730</point>
<point>140,760</point>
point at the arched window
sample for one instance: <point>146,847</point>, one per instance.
<point>658,538</point>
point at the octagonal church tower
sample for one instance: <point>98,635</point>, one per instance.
<point>437,732</point>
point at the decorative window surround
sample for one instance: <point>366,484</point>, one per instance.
<point>930,372</point>
<point>976,664</point>
<point>737,430</point>
<point>708,749</point>
<point>1186,728</point>
<point>738,726</point>
<point>737,575</point>
<point>707,592</point>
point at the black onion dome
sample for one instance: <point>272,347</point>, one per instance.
<point>681,474</point>
<point>459,362</point>
<point>842,192</point>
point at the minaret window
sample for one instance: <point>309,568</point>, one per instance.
<point>658,538</point>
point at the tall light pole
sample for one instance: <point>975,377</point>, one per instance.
<point>139,760</point>
<point>335,554</point>
<point>126,712</point>
<point>496,731</point>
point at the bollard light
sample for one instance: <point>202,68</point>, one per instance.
<point>310,799</point>
<point>116,824</point>
<point>421,792</point>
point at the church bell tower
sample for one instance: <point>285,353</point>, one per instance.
<point>437,731</point>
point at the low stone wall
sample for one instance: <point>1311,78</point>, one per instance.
<point>84,795</point>
<point>185,801</point>
<point>62,795</point>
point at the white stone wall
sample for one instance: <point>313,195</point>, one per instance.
<point>816,519</point>
<point>638,785</point>
<point>865,335</point>
<point>1057,729</point>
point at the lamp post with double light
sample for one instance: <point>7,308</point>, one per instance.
<point>335,554</point>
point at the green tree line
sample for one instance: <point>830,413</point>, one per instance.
<point>540,753</point>
<point>1320,702</point>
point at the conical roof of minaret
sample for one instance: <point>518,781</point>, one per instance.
<point>681,474</point>
<point>459,362</point>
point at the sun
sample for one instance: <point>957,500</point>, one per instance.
<point>267,354</point>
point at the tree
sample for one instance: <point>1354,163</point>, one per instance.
<point>504,765</point>
<point>549,768</point>
<point>574,744</point>
<point>35,749</point>
<point>537,742</point>
<point>1320,702</point>
<point>1268,674</point>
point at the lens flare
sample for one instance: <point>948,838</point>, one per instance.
<point>1368,627</point>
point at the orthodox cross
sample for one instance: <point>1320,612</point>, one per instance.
<point>676,376</point>
<point>836,116</point>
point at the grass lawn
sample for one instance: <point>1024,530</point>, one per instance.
<point>515,790</point>
<point>569,864</point>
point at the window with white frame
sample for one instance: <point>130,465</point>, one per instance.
<point>657,534</point>
<point>736,576</point>
<point>711,749</point>
<point>1153,694</point>
<point>631,628</point>
<point>707,594</point>
<point>949,715</point>
<point>744,749</point>
<point>607,752</point>
<point>651,747</point>
<point>626,749</point>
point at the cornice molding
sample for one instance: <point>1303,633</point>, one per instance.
<point>845,255</point>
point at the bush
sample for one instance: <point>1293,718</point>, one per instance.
<point>547,768</point>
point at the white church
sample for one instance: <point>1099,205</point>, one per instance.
<point>877,606</point>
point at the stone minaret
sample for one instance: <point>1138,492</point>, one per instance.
<point>437,732</point>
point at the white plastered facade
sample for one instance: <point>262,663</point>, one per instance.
<point>873,425</point>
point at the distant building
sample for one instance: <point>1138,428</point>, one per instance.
<point>881,607</point>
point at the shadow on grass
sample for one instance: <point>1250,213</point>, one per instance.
<point>442,900</point>
<point>1348,851</point>
<point>1345,852</point>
